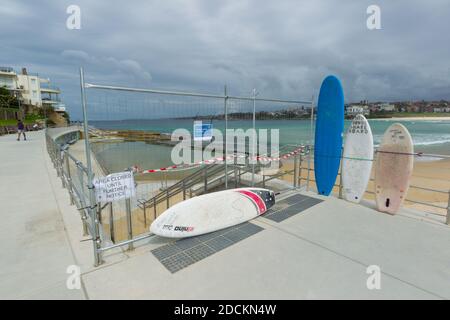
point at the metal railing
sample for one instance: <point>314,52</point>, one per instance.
<point>78,178</point>
<point>412,186</point>
<point>72,172</point>
<point>6,69</point>
<point>74,177</point>
<point>49,87</point>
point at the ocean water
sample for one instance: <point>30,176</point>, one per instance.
<point>430,136</point>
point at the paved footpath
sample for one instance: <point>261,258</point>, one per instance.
<point>34,247</point>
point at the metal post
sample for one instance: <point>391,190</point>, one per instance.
<point>225,136</point>
<point>69,180</point>
<point>254,138</point>
<point>309,168</point>
<point>95,237</point>
<point>235,170</point>
<point>295,171</point>
<point>311,146</point>
<point>111,223</point>
<point>57,161</point>
<point>311,133</point>
<point>60,166</point>
<point>184,190</point>
<point>448,210</point>
<point>167,198</point>
<point>340,175</point>
<point>81,178</point>
<point>154,208</point>
<point>300,166</point>
<point>205,173</point>
<point>129,223</point>
<point>84,220</point>
<point>145,214</point>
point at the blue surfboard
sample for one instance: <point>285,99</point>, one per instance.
<point>328,135</point>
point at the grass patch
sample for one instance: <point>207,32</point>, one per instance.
<point>409,114</point>
<point>28,120</point>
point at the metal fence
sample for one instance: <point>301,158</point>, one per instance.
<point>107,233</point>
<point>122,223</point>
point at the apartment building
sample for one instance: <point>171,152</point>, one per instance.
<point>30,89</point>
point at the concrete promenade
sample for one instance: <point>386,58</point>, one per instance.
<point>35,250</point>
<point>322,252</point>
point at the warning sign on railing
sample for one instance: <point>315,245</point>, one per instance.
<point>115,186</point>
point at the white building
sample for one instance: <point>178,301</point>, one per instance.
<point>387,107</point>
<point>8,78</point>
<point>357,109</point>
<point>441,109</point>
<point>30,88</point>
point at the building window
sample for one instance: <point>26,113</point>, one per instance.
<point>34,94</point>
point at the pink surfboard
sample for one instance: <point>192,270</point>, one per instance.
<point>393,168</point>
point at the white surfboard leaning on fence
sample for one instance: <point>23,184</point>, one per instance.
<point>357,159</point>
<point>212,212</point>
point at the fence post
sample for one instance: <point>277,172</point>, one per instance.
<point>154,208</point>
<point>340,175</point>
<point>225,136</point>
<point>69,180</point>
<point>311,133</point>
<point>205,174</point>
<point>300,166</point>
<point>235,170</point>
<point>129,223</point>
<point>58,161</point>
<point>96,241</point>
<point>61,167</point>
<point>254,138</point>
<point>448,210</point>
<point>145,215</point>
<point>309,168</point>
<point>295,171</point>
<point>111,223</point>
<point>167,198</point>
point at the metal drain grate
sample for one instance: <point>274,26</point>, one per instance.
<point>184,252</point>
<point>291,206</point>
<point>295,198</point>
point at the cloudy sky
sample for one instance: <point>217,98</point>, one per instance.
<point>282,48</point>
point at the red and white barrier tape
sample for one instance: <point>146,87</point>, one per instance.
<point>136,169</point>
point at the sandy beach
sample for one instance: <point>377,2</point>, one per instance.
<point>426,174</point>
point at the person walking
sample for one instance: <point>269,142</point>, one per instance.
<point>21,130</point>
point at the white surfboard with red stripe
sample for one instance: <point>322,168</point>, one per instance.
<point>212,212</point>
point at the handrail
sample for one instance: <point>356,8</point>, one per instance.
<point>187,183</point>
<point>184,183</point>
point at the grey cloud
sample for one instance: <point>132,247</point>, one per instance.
<point>282,48</point>
<point>126,65</point>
